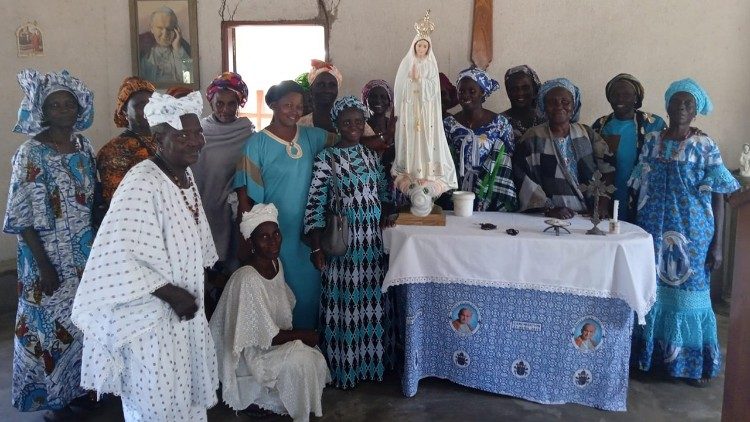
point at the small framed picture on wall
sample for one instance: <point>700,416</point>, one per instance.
<point>29,40</point>
<point>164,42</point>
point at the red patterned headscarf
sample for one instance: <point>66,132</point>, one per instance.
<point>319,66</point>
<point>446,85</point>
<point>129,86</point>
<point>179,91</point>
<point>231,81</point>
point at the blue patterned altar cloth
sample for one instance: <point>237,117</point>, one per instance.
<point>525,343</point>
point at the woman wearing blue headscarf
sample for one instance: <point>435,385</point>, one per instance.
<point>681,181</point>
<point>481,142</point>
<point>355,314</point>
<point>49,209</point>
<point>553,159</point>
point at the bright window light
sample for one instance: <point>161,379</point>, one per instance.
<point>269,54</point>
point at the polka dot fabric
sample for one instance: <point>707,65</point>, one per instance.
<point>135,346</point>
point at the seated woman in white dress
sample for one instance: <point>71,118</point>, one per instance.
<point>262,361</point>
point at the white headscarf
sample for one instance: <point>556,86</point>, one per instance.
<point>259,214</point>
<point>163,108</point>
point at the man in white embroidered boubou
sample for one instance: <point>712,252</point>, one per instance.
<point>140,302</point>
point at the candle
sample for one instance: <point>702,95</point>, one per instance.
<point>615,210</point>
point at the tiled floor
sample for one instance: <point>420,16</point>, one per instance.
<point>649,400</point>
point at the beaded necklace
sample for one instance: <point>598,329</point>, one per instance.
<point>195,208</point>
<point>669,149</point>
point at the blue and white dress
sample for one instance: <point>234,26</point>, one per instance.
<point>355,320</point>
<point>53,194</point>
<point>675,181</point>
<point>471,147</point>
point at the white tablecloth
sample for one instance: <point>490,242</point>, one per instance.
<point>613,266</point>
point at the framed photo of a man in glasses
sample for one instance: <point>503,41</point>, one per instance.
<point>164,40</point>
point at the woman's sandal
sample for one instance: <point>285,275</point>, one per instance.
<point>256,412</point>
<point>62,415</point>
<point>699,383</point>
<point>86,402</point>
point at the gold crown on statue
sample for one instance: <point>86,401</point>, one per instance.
<point>425,26</point>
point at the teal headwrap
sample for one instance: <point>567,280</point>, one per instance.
<point>703,104</point>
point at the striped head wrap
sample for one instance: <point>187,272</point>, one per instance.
<point>231,81</point>
<point>130,86</point>
<point>350,101</point>
<point>626,77</point>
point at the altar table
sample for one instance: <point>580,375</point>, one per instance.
<point>537,316</point>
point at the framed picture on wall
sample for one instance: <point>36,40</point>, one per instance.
<point>164,42</point>
<point>29,40</point>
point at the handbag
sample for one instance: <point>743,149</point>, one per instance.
<point>334,241</point>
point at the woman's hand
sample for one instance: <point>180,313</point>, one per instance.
<point>375,143</point>
<point>714,257</point>
<point>389,136</point>
<point>309,337</point>
<point>318,259</point>
<point>48,278</point>
<point>180,300</point>
<point>561,213</point>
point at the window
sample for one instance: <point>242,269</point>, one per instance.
<point>265,54</point>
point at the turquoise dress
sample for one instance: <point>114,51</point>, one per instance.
<point>271,174</point>
<point>356,329</point>
<point>53,194</point>
<point>675,181</point>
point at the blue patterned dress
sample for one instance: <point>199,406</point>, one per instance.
<point>53,194</point>
<point>675,182</point>
<point>471,147</point>
<point>356,316</point>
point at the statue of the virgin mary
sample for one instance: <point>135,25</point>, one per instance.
<point>423,168</point>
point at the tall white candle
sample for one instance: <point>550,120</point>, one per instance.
<point>616,209</point>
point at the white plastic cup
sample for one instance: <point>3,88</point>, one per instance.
<point>463,203</point>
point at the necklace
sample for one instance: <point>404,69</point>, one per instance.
<point>293,149</point>
<point>72,140</point>
<point>194,208</point>
<point>141,140</point>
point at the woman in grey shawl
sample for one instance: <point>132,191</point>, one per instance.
<point>225,134</point>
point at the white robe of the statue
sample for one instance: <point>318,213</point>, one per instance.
<point>135,346</point>
<point>287,378</point>
<point>422,151</point>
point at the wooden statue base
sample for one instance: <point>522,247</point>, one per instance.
<point>434,218</point>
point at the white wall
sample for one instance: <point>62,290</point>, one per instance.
<point>588,41</point>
